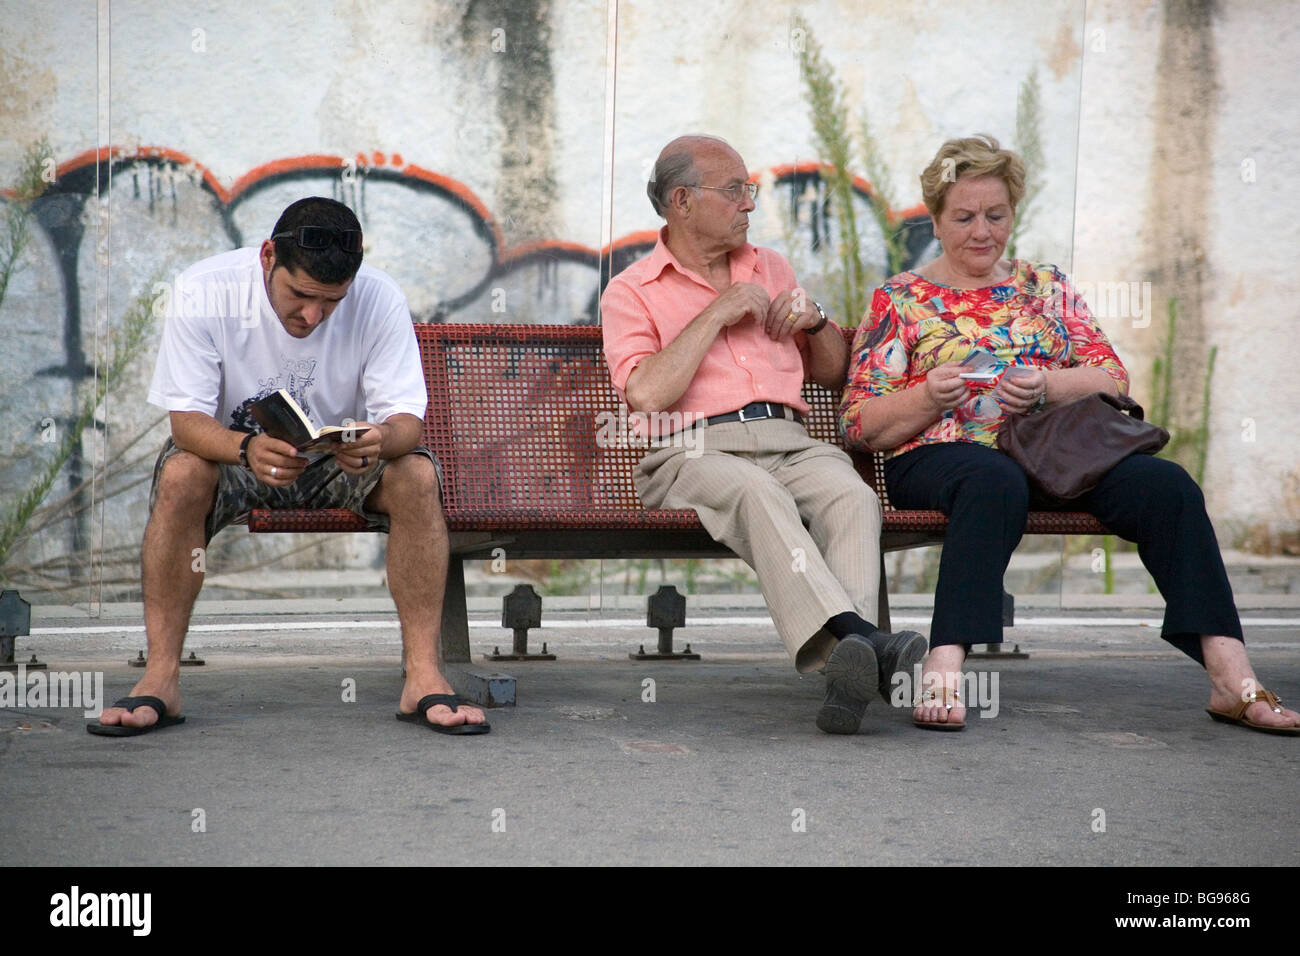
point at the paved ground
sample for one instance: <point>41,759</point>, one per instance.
<point>1101,727</point>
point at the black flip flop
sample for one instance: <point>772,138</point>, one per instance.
<point>131,703</point>
<point>450,700</point>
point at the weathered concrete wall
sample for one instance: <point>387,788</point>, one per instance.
<point>493,147</point>
<point>1187,169</point>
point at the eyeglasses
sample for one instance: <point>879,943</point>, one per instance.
<point>736,192</point>
<point>321,237</point>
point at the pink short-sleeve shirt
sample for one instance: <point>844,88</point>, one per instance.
<point>647,305</point>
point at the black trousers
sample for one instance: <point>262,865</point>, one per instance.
<point>986,496</point>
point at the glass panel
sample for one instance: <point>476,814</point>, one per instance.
<point>895,82</point>
<point>468,141</point>
<point>477,149</point>
<point>49,290</point>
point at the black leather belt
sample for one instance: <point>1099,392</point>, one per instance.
<point>756,412</point>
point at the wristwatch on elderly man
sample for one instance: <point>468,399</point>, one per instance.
<point>821,324</point>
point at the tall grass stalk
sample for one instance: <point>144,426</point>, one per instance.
<point>125,344</point>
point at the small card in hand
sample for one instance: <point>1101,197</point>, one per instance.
<point>980,366</point>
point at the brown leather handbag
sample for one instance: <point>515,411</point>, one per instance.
<point>1066,450</point>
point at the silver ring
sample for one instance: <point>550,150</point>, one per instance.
<point>273,471</point>
<point>365,462</point>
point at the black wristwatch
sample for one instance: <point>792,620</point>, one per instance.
<point>820,325</point>
<point>243,451</point>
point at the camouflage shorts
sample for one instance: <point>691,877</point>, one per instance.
<point>323,484</point>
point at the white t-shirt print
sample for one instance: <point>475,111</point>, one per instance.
<point>223,348</point>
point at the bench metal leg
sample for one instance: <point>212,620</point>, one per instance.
<point>453,643</point>
<point>882,605</point>
<point>485,688</point>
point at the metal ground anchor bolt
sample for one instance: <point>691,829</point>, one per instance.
<point>996,652</point>
<point>665,610</point>
<point>192,661</point>
<point>521,609</point>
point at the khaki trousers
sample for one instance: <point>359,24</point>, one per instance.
<point>793,508</point>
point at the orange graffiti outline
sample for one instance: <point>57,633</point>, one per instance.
<point>321,161</point>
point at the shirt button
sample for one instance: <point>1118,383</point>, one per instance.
<point>742,358</point>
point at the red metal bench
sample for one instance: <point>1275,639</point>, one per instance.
<point>514,414</point>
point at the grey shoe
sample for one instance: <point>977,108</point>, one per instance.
<point>897,653</point>
<point>852,675</point>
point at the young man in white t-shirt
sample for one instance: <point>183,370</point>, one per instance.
<point>303,314</point>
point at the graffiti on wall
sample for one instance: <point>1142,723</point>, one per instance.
<point>431,232</point>
<point>116,219</point>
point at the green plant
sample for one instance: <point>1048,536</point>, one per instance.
<point>1189,446</point>
<point>1201,440</point>
<point>125,343</point>
<point>1162,370</point>
<point>830,125</point>
<point>18,211</point>
<point>1029,144</point>
<point>882,199</point>
<point>1108,575</point>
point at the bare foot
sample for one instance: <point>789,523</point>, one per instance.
<point>158,681</point>
<point>1259,712</point>
<point>1232,680</point>
<point>424,680</point>
<point>940,680</point>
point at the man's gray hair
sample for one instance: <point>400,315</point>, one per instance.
<point>672,170</point>
<point>675,167</point>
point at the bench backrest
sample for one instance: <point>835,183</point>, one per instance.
<point>524,417</point>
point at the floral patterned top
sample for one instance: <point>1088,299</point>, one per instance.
<point>1033,318</point>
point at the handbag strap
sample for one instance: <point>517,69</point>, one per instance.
<point>1124,403</point>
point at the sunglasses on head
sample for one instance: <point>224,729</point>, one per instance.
<point>321,237</point>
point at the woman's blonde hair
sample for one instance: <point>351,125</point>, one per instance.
<point>978,155</point>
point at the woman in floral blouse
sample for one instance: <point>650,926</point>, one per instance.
<point>906,395</point>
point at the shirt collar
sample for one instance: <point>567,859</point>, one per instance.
<point>744,259</point>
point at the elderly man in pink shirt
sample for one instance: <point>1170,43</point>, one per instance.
<point>713,336</point>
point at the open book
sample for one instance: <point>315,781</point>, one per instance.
<point>283,418</point>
